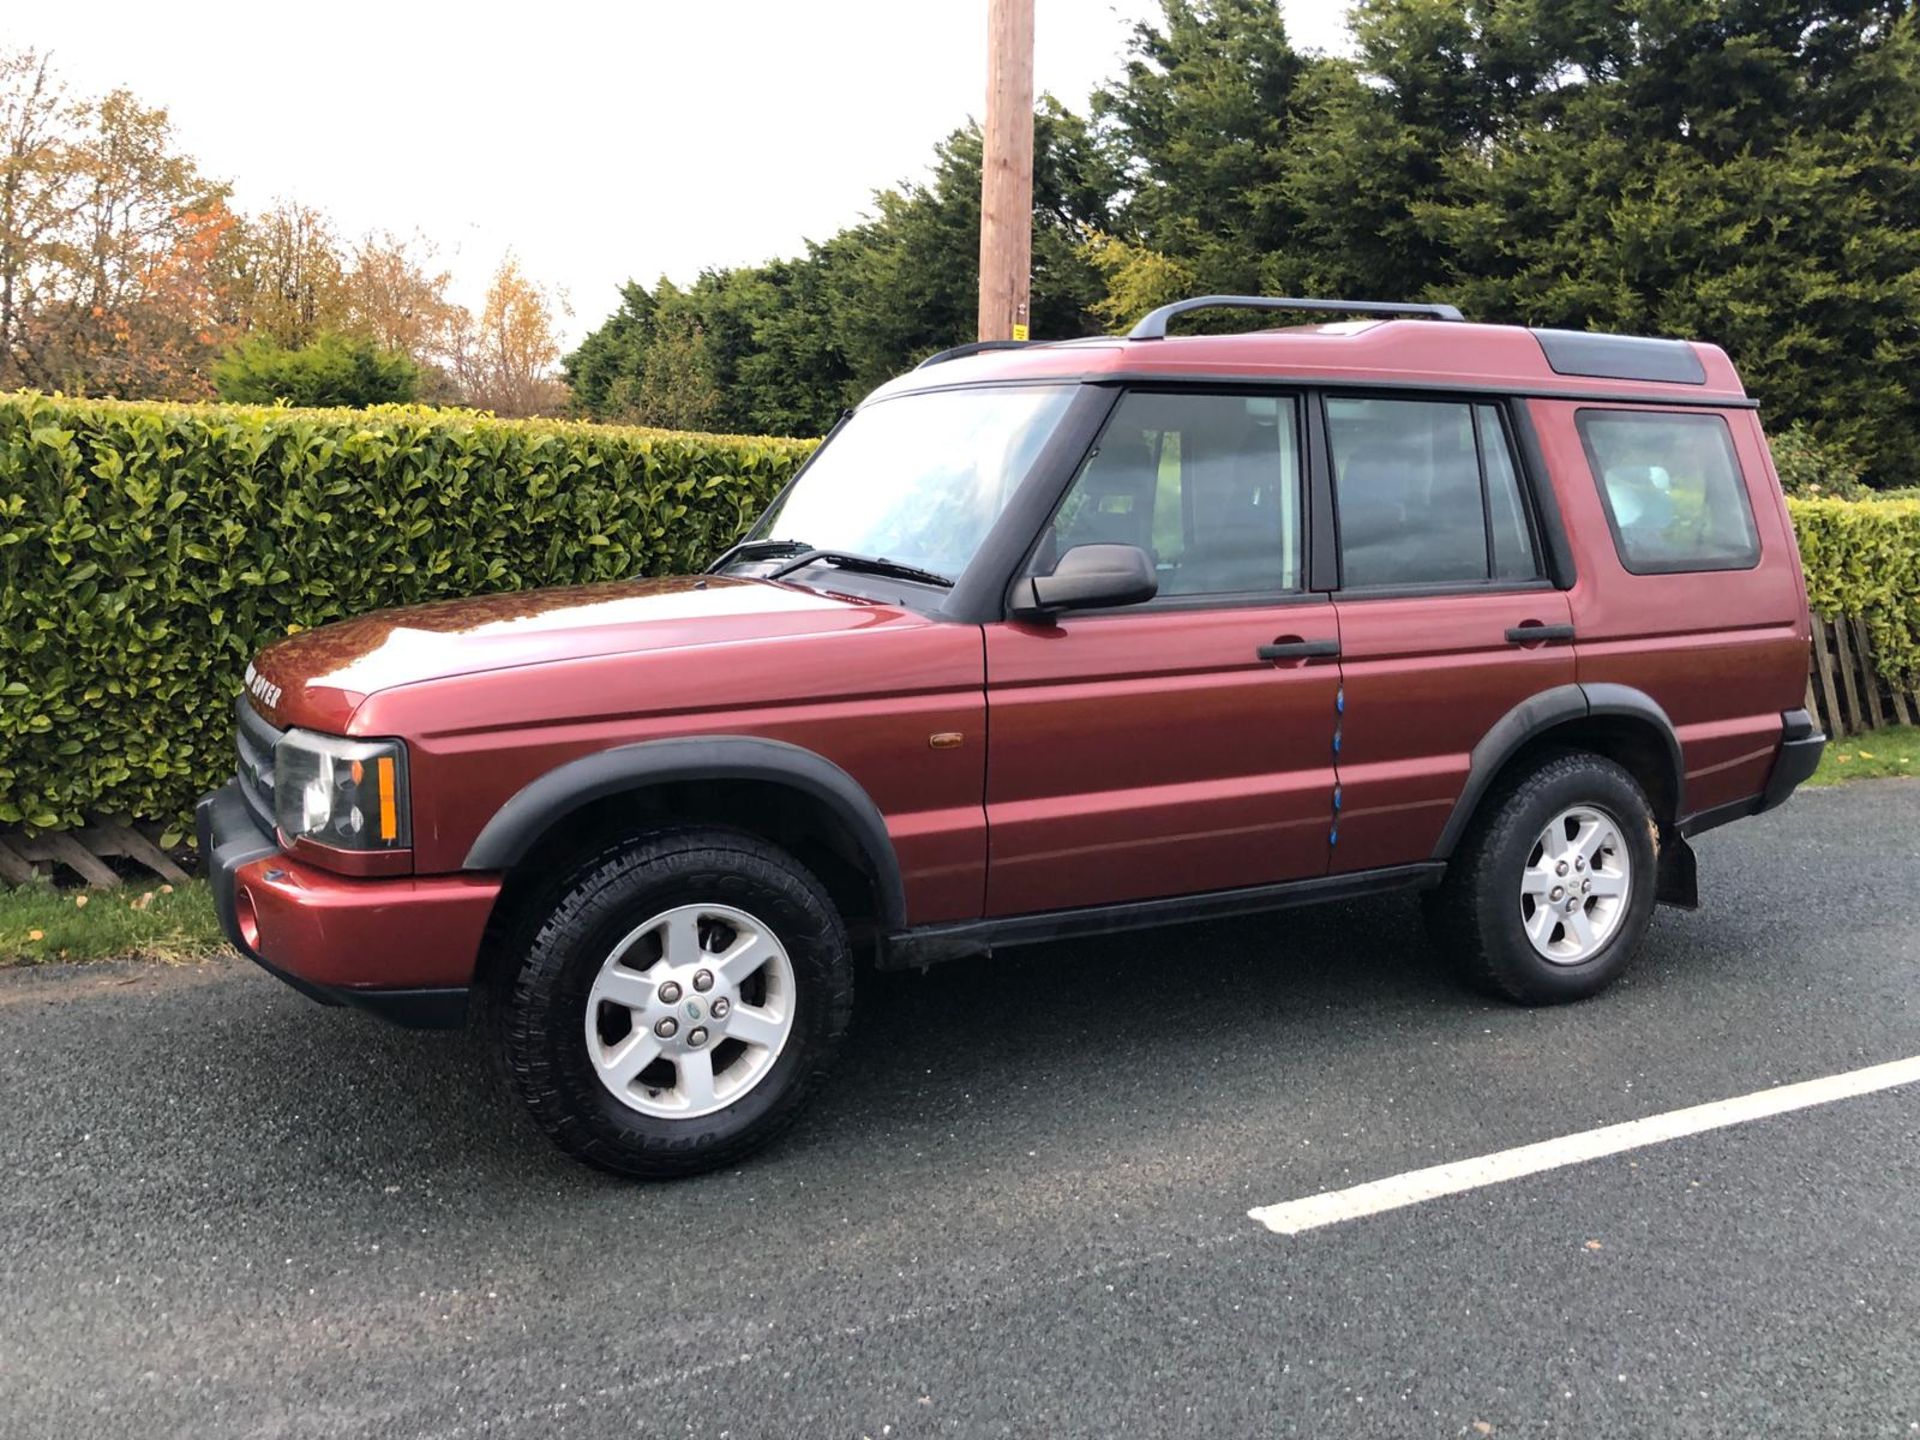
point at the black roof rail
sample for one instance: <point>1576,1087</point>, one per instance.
<point>1153,325</point>
<point>972,347</point>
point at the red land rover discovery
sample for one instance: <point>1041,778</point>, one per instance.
<point>1050,640</point>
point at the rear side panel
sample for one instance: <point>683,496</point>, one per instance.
<point>1723,652</point>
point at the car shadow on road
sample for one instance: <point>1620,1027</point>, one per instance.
<point>1217,984</point>
<point>1016,1036</point>
<point>1095,1037</point>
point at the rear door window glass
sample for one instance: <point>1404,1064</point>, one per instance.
<point>1673,491</point>
<point>1426,493</point>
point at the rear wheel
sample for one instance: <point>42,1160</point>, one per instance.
<point>676,1004</point>
<point>1552,887</point>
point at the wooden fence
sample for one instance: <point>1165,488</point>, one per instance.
<point>1846,689</point>
<point>85,852</point>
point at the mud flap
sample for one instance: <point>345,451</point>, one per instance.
<point>1679,879</point>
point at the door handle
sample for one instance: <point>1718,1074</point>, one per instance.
<point>1290,649</point>
<point>1534,633</point>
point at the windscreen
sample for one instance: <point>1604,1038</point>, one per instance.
<point>921,478</point>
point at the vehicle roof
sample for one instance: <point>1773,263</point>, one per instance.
<point>1433,354</point>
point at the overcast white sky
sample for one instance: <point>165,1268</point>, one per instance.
<point>599,141</point>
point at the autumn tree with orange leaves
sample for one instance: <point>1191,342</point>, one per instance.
<point>397,298</point>
<point>504,362</point>
<point>284,276</point>
<point>124,271</point>
<point>34,203</point>
<point>107,240</point>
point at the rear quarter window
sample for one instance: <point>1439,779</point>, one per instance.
<point>1672,488</point>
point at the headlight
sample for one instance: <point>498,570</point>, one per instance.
<point>350,794</point>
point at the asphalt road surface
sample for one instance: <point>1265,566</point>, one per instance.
<point>1022,1207</point>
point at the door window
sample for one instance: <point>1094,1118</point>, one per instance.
<point>1675,500</point>
<point>1207,485</point>
<point>1426,492</point>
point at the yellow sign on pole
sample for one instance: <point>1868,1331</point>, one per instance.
<point>1019,332</point>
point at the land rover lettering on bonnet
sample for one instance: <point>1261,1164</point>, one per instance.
<point>261,688</point>
<point>1047,640</point>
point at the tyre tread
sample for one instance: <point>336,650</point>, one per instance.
<point>1472,897</point>
<point>728,867</point>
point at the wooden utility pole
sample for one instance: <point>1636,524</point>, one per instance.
<point>1006,176</point>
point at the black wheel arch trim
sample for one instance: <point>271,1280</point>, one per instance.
<point>546,801</point>
<point>1540,713</point>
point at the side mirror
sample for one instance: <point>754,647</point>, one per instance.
<point>1088,577</point>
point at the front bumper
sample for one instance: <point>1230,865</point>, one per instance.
<point>404,948</point>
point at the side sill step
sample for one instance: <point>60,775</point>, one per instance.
<point>927,944</point>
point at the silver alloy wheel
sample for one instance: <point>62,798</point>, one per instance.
<point>690,1011</point>
<point>1577,884</point>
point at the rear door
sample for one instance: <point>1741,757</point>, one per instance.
<point>1446,618</point>
<point>1155,750</point>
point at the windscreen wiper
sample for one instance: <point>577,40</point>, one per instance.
<point>866,564</point>
<point>757,550</point>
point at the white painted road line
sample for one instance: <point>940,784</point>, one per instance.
<point>1395,1191</point>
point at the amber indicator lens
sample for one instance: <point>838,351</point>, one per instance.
<point>389,811</point>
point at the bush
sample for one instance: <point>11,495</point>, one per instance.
<point>1864,559</point>
<point>333,370</point>
<point>148,550</point>
<point>1811,468</point>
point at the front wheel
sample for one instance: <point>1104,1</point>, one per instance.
<point>1552,887</point>
<point>677,1003</point>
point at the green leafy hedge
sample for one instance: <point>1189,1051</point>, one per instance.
<point>1863,558</point>
<point>147,551</point>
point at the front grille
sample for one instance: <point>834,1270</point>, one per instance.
<point>256,739</point>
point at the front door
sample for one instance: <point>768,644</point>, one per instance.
<point>1446,619</point>
<point>1185,744</point>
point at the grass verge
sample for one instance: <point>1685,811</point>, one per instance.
<point>1872,756</point>
<point>161,922</point>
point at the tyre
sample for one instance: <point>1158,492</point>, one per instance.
<point>674,1002</point>
<point>1552,887</point>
